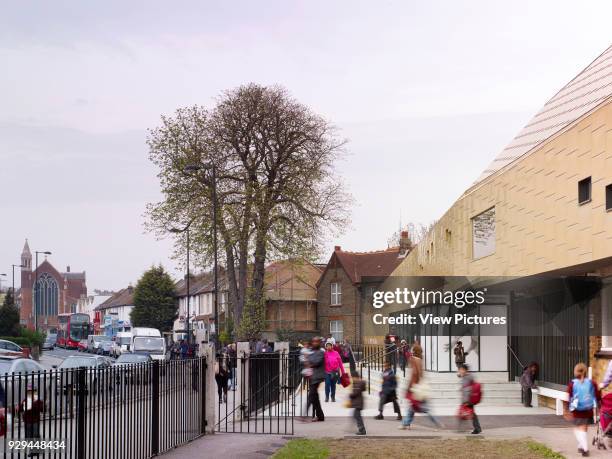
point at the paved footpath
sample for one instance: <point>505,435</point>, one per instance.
<point>548,429</point>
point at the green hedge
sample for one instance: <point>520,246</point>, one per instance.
<point>28,338</point>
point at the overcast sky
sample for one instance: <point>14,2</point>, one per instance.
<point>426,92</point>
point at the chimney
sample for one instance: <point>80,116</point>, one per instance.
<point>337,248</point>
<point>68,268</point>
<point>130,288</point>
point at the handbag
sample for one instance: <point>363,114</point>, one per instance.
<point>466,412</point>
<point>345,380</point>
<point>420,391</point>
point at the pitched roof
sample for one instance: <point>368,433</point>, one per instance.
<point>124,297</point>
<point>584,92</point>
<point>358,265</point>
<point>198,283</point>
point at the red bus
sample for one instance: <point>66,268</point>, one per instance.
<point>72,328</point>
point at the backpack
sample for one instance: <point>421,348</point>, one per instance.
<point>583,395</point>
<point>476,394</point>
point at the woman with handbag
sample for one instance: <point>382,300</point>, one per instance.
<point>418,390</point>
<point>333,369</point>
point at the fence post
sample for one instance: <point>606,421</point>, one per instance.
<point>243,351</point>
<point>81,400</point>
<point>284,390</point>
<point>208,397</point>
<point>155,410</point>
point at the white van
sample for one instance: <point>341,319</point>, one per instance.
<point>150,341</point>
<point>122,343</point>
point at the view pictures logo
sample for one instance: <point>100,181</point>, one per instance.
<point>412,298</point>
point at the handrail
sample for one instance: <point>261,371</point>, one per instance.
<point>383,352</point>
<point>515,356</point>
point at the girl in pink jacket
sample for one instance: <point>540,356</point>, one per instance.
<point>333,370</point>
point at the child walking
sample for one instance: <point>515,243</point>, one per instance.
<point>356,397</point>
<point>583,398</point>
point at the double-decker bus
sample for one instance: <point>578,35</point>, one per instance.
<point>72,328</point>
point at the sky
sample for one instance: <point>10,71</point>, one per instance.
<point>427,93</point>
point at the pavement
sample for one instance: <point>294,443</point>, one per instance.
<point>549,429</point>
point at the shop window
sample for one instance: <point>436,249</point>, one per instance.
<point>584,190</point>
<point>609,197</point>
<point>483,234</point>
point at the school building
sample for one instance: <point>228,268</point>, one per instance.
<point>542,207</point>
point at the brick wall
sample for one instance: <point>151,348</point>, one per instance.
<point>345,311</point>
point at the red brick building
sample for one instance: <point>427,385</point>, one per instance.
<point>347,285</point>
<point>57,292</point>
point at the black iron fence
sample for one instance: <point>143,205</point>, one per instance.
<point>257,393</point>
<point>132,412</point>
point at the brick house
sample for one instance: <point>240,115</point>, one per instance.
<point>291,298</point>
<point>347,284</point>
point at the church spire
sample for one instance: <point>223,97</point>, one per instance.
<point>26,256</point>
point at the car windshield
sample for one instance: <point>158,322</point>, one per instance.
<point>101,338</point>
<point>76,362</point>
<point>51,337</point>
<point>124,340</point>
<point>132,358</point>
<point>148,343</point>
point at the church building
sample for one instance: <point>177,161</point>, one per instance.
<point>46,292</point>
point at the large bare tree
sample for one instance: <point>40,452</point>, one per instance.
<point>276,189</point>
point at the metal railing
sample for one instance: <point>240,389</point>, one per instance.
<point>133,412</point>
<point>375,358</point>
<point>256,393</point>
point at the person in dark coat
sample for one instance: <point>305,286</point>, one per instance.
<point>388,394</point>
<point>356,397</point>
<point>316,361</point>
<point>528,379</point>
<point>459,352</point>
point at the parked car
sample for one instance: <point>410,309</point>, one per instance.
<point>50,342</point>
<point>66,378</point>
<point>130,368</point>
<point>105,347</point>
<point>10,349</point>
<point>93,341</point>
<point>16,374</point>
<point>82,346</point>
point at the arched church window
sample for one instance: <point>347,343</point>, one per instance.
<point>47,295</point>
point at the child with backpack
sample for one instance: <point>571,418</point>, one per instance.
<point>583,398</point>
<point>471,394</point>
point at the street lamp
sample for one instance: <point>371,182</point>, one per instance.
<point>15,266</point>
<point>186,231</point>
<point>45,252</point>
<point>211,167</point>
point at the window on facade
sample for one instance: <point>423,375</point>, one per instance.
<point>336,294</point>
<point>584,190</point>
<point>46,295</point>
<point>483,234</point>
<point>609,197</point>
<point>336,328</point>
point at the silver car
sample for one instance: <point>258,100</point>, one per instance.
<point>16,374</point>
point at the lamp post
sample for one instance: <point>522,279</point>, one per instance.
<point>15,266</point>
<point>45,252</point>
<point>186,231</point>
<point>211,167</point>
